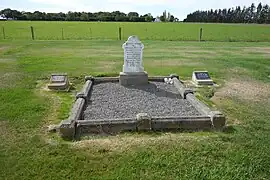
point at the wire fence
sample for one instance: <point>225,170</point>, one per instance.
<point>166,33</point>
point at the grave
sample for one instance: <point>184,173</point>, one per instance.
<point>59,82</point>
<point>133,71</point>
<point>200,78</point>
<point>135,102</point>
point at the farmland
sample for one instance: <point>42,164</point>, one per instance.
<point>146,31</point>
<point>242,69</point>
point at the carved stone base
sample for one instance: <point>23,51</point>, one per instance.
<point>138,78</point>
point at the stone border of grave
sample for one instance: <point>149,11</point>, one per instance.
<point>75,126</point>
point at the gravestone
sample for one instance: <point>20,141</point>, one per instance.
<point>202,78</point>
<point>59,82</point>
<point>133,70</point>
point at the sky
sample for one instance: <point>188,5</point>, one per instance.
<point>177,8</point>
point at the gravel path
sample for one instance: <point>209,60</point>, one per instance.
<point>111,100</point>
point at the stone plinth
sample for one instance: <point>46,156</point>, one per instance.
<point>136,78</point>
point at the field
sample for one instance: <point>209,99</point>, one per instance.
<point>242,69</point>
<point>146,31</point>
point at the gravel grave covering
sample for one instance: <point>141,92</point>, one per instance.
<point>111,101</point>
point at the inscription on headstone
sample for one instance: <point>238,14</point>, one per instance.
<point>133,53</point>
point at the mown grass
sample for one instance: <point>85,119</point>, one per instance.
<point>28,152</point>
<point>20,30</point>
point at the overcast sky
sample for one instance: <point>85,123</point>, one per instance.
<point>176,7</point>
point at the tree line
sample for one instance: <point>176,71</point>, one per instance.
<point>10,14</point>
<point>252,14</point>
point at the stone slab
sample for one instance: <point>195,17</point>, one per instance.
<point>127,79</point>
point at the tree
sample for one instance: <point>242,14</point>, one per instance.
<point>171,18</point>
<point>133,14</point>
<point>250,14</point>
<point>84,17</point>
<point>6,13</point>
<point>148,17</point>
<point>259,10</point>
<point>80,16</point>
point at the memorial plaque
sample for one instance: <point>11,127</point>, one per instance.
<point>133,53</point>
<point>58,78</point>
<point>202,78</point>
<point>202,75</point>
<point>59,82</point>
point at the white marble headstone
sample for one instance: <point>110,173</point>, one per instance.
<point>133,53</point>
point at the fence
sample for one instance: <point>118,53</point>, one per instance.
<point>145,31</point>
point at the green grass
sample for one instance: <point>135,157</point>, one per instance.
<point>146,31</point>
<point>28,152</point>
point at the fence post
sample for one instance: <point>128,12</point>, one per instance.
<point>120,30</point>
<point>4,34</point>
<point>90,33</point>
<point>32,33</point>
<point>201,33</point>
<point>62,33</point>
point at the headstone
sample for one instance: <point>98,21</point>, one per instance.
<point>133,70</point>
<point>202,78</point>
<point>133,53</point>
<point>59,82</point>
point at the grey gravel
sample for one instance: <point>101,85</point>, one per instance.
<point>111,100</point>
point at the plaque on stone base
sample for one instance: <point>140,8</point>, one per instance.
<point>59,82</point>
<point>202,78</point>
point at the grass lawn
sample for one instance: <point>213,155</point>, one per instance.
<point>27,151</point>
<point>50,30</point>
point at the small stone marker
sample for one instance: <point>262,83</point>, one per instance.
<point>133,70</point>
<point>202,78</point>
<point>59,82</point>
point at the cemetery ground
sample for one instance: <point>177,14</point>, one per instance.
<point>27,151</point>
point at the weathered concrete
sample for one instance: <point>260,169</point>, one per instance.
<point>77,109</point>
<point>98,80</point>
<point>106,126</point>
<point>218,120</point>
<point>200,106</point>
<point>137,78</point>
<point>86,90</point>
<point>67,127</point>
<point>181,88</point>
<point>182,123</point>
<point>143,122</point>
